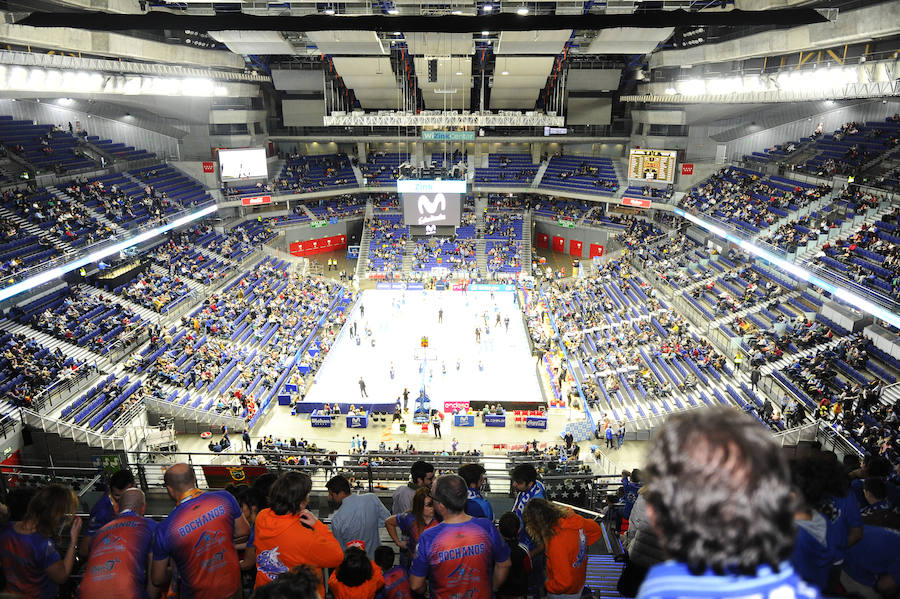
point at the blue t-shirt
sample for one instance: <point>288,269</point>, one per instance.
<point>102,514</point>
<point>537,490</point>
<point>459,558</point>
<point>24,559</point>
<point>673,580</point>
<point>631,493</point>
<point>199,537</point>
<point>893,493</point>
<point>876,554</point>
<point>842,514</point>
<point>478,507</point>
<point>813,556</point>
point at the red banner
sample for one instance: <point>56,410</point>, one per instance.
<point>256,200</point>
<point>219,477</point>
<point>12,460</point>
<point>595,250</point>
<point>575,248</point>
<point>542,241</point>
<point>687,168</point>
<point>319,246</point>
<point>559,244</point>
<point>636,202</point>
<point>209,167</point>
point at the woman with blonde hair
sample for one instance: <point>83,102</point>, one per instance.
<point>32,566</point>
<point>566,537</point>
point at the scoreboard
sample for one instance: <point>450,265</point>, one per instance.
<point>652,165</point>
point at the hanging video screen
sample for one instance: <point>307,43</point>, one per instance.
<point>436,203</point>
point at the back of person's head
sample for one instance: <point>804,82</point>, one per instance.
<point>384,557</point>
<point>877,466</point>
<point>451,491</point>
<point>636,476</point>
<point>17,501</point>
<point>509,525</point>
<point>809,481</point>
<point>289,493</point>
<point>180,478</point>
<point>252,498</point>
<point>541,517</point>
<point>338,485</point>
<point>132,499</point>
<point>524,473</point>
<point>50,506</point>
<point>299,583</point>
<point>471,473</point>
<point>876,487</point>
<point>355,569</point>
<point>719,492</point>
<point>851,462</point>
<point>264,482</point>
<point>419,470</point>
<point>121,480</point>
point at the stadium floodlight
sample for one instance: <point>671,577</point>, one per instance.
<point>522,11</point>
<point>95,256</point>
<point>856,301</point>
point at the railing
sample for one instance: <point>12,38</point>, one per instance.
<point>68,386</point>
<point>71,431</point>
<point>162,406</point>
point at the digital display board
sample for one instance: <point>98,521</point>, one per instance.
<point>431,202</point>
<point>652,165</point>
<point>246,163</point>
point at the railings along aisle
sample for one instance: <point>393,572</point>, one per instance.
<point>589,419</point>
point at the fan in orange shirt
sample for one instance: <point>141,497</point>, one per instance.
<point>357,577</point>
<point>566,537</point>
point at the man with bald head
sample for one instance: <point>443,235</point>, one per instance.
<point>199,537</point>
<point>120,553</point>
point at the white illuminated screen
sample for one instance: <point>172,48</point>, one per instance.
<point>431,202</point>
<point>247,163</point>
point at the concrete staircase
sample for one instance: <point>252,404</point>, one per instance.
<point>540,173</point>
<point>143,312</point>
<point>95,213</point>
<point>407,263</point>
<point>621,168</point>
<point>308,212</point>
<point>364,242</point>
<point>32,229</point>
<point>70,349</point>
<point>359,176</point>
<point>527,242</point>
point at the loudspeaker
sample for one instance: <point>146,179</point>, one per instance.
<point>27,439</point>
<point>432,70</point>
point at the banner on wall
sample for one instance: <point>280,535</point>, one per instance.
<point>209,167</point>
<point>687,168</point>
<point>256,200</point>
<point>542,240</point>
<point>636,202</point>
<point>559,244</point>
<point>595,250</point>
<point>318,246</point>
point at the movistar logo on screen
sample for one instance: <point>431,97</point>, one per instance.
<point>432,209</point>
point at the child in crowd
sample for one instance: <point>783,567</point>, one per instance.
<point>357,577</point>
<point>516,585</point>
<point>396,579</point>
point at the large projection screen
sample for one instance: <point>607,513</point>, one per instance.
<point>246,163</point>
<point>652,165</point>
<point>437,203</point>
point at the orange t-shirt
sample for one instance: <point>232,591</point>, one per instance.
<point>366,590</point>
<point>567,554</point>
<point>283,542</point>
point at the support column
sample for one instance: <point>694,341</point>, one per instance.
<point>536,149</point>
<point>361,151</point>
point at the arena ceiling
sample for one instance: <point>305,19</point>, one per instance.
<point>460,55</point>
